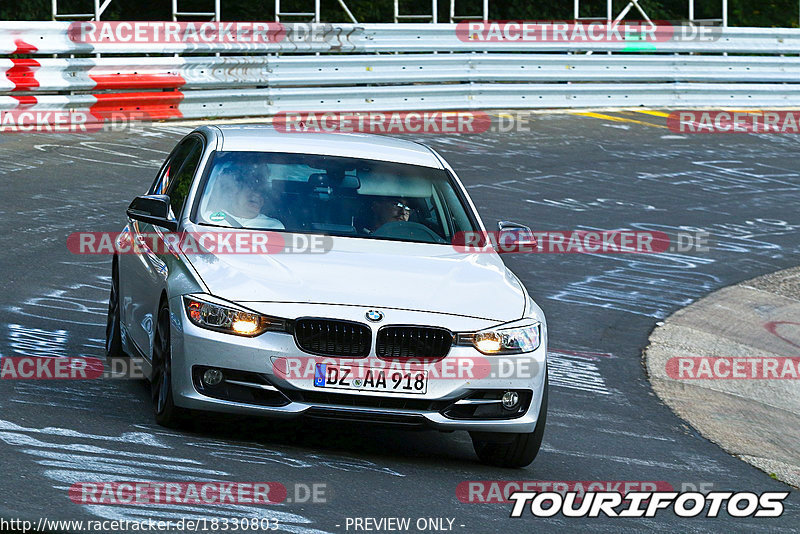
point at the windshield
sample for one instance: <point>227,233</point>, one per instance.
<point>331,195</point>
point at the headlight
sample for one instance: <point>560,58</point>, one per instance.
<point>229,319</point>
<point>515,338</point>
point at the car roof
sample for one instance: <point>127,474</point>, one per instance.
<point>264,138</point>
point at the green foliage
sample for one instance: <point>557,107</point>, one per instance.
<point>25,10</point>
<point>764,13</point>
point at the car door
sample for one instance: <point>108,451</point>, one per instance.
<point>146,273</point>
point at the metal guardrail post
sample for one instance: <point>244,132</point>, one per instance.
<point>348,12</point>
<point>98,11</point>
<point>314,16</point>
<point>455,18</point>
<point>214,16</point>
<point>576,8</point>
<point>434,16</point>
<point>724,13</point>
<point>723,19</point>
<point>577,11</point>
<point>633,3</point>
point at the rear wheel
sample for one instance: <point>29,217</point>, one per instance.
<point>113,332</point>
<point>512,450</point>
<point>164,409</point>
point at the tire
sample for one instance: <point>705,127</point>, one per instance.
<point>512,450</point>
<point>113,328</point>
<point>164,409</point>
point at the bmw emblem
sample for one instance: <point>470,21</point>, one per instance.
<point>375,316</point>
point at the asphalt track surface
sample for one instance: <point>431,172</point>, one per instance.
<point>604,424</point>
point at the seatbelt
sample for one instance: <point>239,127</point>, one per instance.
<point>233,222</point>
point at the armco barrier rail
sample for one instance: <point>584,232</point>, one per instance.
<point>355,68</point>
<point>84,74</point>
<point>259,102</point>
<point>54,38</point>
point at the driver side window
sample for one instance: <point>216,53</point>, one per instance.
<point>181,182</point>
<point>175,177</point>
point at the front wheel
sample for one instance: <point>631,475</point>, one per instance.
<point>164,409</point>
<point>113,329</point>
<point>512,450</point>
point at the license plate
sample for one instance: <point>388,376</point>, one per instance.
<point>370,379</point>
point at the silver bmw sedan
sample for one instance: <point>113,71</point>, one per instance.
<point>327,276</point>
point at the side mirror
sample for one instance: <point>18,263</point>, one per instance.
<point>514,236</point>
<point>153,209</point>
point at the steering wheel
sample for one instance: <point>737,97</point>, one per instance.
<point>408,230</point>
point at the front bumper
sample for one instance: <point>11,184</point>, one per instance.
<point>280,365</point>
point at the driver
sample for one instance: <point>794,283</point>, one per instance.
<point>242,196</point>
<point>387,210</point>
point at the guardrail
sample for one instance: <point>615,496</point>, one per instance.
<point>57,38</point>
<point>84,74</point>
<point>260,102</point>
<point>348,67</point>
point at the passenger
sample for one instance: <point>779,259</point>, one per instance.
<point>239,196</point>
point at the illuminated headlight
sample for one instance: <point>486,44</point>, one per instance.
<point>229,319</point>
<point>507,339</point>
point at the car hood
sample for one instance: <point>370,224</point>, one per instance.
<point>370,273</point>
